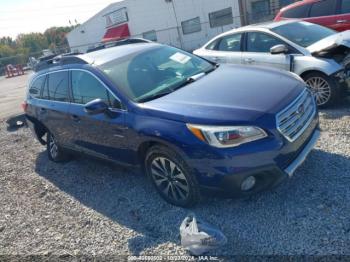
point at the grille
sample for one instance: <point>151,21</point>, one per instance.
<point>293,120</point>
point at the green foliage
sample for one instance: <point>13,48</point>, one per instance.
<point>18,51</point>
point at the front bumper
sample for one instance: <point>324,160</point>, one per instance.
<point>302,156</point>
<point>266,176</point>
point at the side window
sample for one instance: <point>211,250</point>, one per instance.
<point>345,7</point>
<point>230,43</point>
<point>261,43</point>
<point>56,87</point>
<point>323,8</point>
<point>297,12</point>
<point>213,44</point>
<point>86,88</point>
<point>35,88</point>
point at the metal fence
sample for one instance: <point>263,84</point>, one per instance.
<point>174,36</point>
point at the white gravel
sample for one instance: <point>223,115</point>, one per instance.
<point>88,207</point>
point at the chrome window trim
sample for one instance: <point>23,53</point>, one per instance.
<point>72,103</point>
<point>307,124</point>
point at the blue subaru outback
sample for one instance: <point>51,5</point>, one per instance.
<point>190,124</point>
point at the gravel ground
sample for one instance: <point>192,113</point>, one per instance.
<point>87,207</point>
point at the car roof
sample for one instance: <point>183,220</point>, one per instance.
<point>296,4</point>
<point>109,54</point>
<point>268,25</point>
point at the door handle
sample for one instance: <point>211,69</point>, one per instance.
<point>43,110</point>
<point>75,118</point>
<point>342,21</point>
<point>249,60</point>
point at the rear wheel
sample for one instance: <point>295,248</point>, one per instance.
<point>54,151</point>
<point>325,88</point>
<point>172,177</point>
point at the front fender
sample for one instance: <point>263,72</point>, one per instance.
<point>303,64</point>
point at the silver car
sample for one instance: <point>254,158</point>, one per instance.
<point>317,54</point>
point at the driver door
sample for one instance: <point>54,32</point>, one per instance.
<point>257,51</point>
<point>102,135</point>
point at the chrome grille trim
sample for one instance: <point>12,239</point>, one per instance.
<point>290,122</point>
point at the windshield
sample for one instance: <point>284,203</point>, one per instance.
<point>303,33</point>
<point>161,70</point>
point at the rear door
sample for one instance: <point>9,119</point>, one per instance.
<point>226,49</point>
<point>53,107</point>
<point>343,17</point>
<point>257,51</point>
<point>100,135</point>
<point>323,13</point>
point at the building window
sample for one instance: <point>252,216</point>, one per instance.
<point>116,17</point>
<point>150,35</point>
<point>221,17</point>
<point>191,26</point>
<point>261,7</point>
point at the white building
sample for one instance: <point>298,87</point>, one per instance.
<point>187,24</point>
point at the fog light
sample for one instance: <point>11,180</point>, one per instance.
<point>248,183</point>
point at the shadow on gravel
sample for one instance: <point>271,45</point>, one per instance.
<point>304,211</point>
<point>339,110</point>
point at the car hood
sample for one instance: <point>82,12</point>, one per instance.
<point>230,93</point>
<point>330,43</point>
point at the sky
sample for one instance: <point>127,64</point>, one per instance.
<point>25,16</point>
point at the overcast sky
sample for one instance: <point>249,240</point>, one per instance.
<point>24,16</point>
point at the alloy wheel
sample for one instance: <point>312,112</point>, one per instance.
<point>169,179</point>
<point>321,88</point>
<point>53,147</point>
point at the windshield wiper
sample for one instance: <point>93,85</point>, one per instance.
<point>155,96</point>
<point>188,80</point>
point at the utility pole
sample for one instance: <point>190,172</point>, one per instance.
<point>177,22</point>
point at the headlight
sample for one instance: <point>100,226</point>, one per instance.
<point>227,136</point>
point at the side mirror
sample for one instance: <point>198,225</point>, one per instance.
<point>95,107</point>
<point>279,49</point>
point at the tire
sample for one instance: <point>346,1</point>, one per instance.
<point>54,151</point>
<point>171,177</point>
<point>325,88</point>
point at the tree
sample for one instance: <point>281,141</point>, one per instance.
<point>34,42</point>
<point>56,37</point>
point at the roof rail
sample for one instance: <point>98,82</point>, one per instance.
<point>124,41</point>
<point>60,60</point>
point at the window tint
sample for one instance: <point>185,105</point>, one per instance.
<point>35,88</point>
<point>297,12</point>
<point>230,43</point>
<point>221,17</point>
<point>259,42</point>
<point>191,26</point>
<point>86,88</point>
<point>323,8</point>
<point>56,87</point>
<point>345,7</point>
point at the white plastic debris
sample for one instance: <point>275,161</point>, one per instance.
<point>199,237</point>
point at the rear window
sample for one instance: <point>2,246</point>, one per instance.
<point>297,12</point>
<point>345,7</point>
<point>56,87</point>
<point>35,88</point>
<point>323,8</point>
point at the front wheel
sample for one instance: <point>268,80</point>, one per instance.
<point>325,88</point>
<point>171,177</point>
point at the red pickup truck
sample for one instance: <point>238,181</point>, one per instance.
<point>334,14</point>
